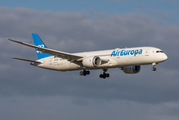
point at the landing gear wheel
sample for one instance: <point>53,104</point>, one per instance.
<point>107,75</point>
<point>81,73</point>
<point>87,72</point>
<point>101,75</point>
<point>104,75</point>
<point>154,69</point>
<point>84,73</point>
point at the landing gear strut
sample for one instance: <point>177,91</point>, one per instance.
<point>104,75</point>
<point>84,72</point>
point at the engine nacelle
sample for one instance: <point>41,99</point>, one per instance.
<point>131,69</point>
<point>93,61</point>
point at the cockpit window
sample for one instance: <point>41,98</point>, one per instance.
<point>159,51</point>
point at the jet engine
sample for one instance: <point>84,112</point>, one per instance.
<point>93,61</point>
<point>131,69</point>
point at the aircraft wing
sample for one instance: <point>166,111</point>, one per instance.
<point>64,55</point>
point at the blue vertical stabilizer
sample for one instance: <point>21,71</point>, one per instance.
<point>38,42</point>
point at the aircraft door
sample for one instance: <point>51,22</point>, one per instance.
<point>147,52</point>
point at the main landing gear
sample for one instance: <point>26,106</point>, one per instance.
<point>104,75</point>
<point>84,73</point>
<point>154,68</point>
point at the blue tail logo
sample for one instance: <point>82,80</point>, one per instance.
<point>38,42</point>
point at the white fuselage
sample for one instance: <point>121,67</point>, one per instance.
<point>117,58</point>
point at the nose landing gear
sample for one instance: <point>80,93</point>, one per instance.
<point>154,68</point>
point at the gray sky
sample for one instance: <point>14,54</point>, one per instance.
<point>28,92</point>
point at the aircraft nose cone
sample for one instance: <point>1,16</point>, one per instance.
<point>165,57</point>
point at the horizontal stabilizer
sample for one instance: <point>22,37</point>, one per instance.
<point>26,60</point>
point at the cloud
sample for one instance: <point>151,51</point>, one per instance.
<point>74,32</point>
<point>64,107</point>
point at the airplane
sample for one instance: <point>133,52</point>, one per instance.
<point>128,59</point>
